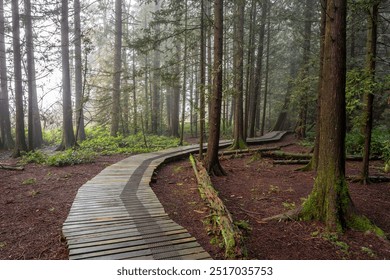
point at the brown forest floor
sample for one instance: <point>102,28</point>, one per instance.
<point>255,189</point>
<point>35,202</point>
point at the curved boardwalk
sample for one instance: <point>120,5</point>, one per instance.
<point>116,215</point>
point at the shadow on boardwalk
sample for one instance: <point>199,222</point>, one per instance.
<point>116,215</point>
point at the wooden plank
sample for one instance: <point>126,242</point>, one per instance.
<point>143,242</point>
<point>140,247</point>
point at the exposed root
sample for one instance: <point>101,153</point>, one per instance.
<point>287,216</point>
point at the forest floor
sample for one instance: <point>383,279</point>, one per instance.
<point>35,202</point>
<point>255,188</point>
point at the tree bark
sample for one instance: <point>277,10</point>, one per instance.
<point>156,77</point>
<point>314,161</point>
<point>302,118</point>
<point>213,165</point>
<point>68,139</point>
<point>202,86</point>
<point>5,123</point>
<point>80,131</point>
<point>250,68</point>
<point>266,69</point>
<point>329,200</point>
<point>183,107</point>
<point>20,138</point>
<point>369,95</point>
<point>115,110</point>
<point>255,92</point>
<point>35,139</point>
<point>238,68</point>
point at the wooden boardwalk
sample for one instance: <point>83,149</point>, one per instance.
<point>116,215</point>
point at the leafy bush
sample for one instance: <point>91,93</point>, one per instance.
<point>100,141</point>
<point>71,157</point>
<point>354,143</point>
<point>52,137</point>
<point>33,157</point>
<point>380,143</point>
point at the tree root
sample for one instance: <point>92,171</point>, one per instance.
<point>286,216</point>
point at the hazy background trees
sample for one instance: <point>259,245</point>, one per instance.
<point>147,66</point>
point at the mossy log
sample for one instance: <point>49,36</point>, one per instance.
<point>222,220</point>
<point>11,167</point>
<point>291,161</point>
<point>285,155</point>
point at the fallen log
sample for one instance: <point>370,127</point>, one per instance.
<point>222,223</point>
<point>285,155</point>
<point>291,161</point>
<point>371,179</point>
<point>11,167</point>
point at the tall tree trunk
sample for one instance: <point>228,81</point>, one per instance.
<point>369,95</point>
<point>302,118</point>
<point>115,110</point>
<point>20,138</point>
<point>35,139</point>
<point>329,200</point>
<point>68,139</point>
<point>255,92</point>
<point>209,57</point>
<point>238,61</point>
<point>5,122</point>
<point>183,107</point>
<point>314,161</point>
<point>213,165</point>
<point>266,68</point>
<point>250,68</point>
<point>176,94</point>
<point>202,85</point>
<point>156,77</point>
<point>135,103</point>
<point>80,131</point>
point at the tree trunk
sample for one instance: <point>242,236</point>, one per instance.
<point>34,120</point>
<point>209,57</point>
<point>115,110</point>
<point>302,118</point>
<point>202,85</point>
<point>238,68</point>
<point>255,92</point>
<point>5,122</point>
<point>80,131</point>
<point>266,68</point>
<point>176,94</point>
<point>369,95</point>
<point>156,77</point>
<point>250,68</point>
<point>135,114</point>
<point>329,200</point>
<point>68,139</point>
<point>213,165</point>
<point>183,107</point>
<point>20,138</point>
<point>314,162</point>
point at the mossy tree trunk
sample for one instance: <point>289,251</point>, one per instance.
<point>329,200</point>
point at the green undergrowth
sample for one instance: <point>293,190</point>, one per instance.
<point>99,142</point>
<point>380,143</point>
